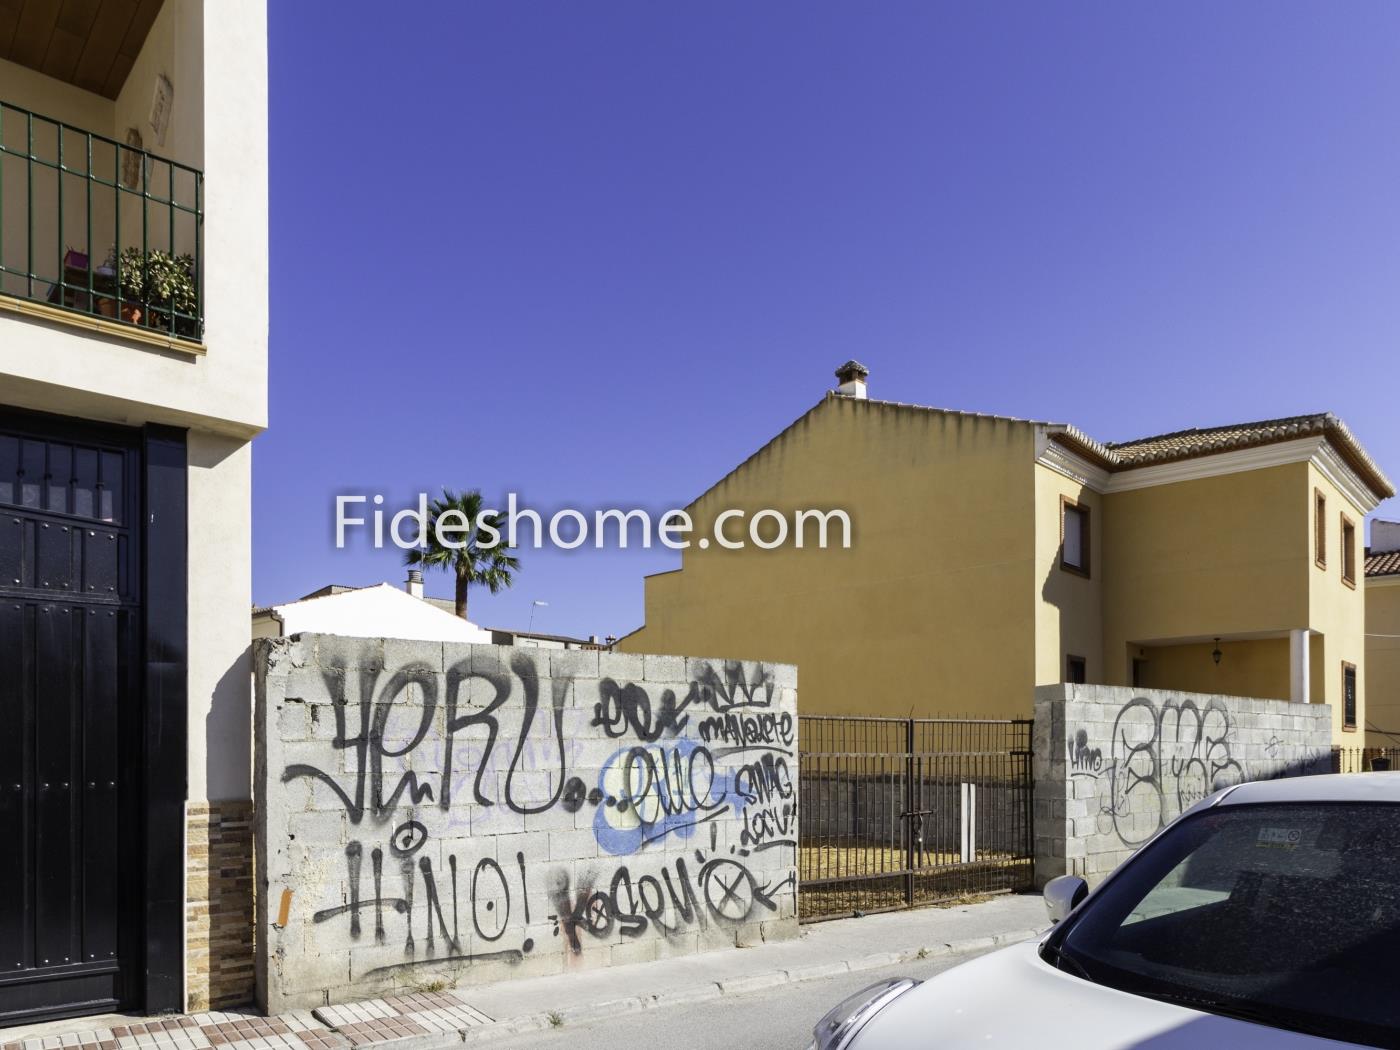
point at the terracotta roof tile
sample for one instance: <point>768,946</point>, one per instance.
<point>1190,444</point>
<point>1386,563</point>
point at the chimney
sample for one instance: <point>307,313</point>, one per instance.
<point>852,376</point>
<point>414,586</point>
<point>1385,536</point>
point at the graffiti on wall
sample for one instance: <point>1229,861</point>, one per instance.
<point>1163,758</point>
<point>459,786</point>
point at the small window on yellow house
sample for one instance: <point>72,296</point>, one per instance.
<point>1348,552</point>
<point>1076,670</point>
<point>1320,529</point>
<point>1348,696</point>
<point>1074,537</point>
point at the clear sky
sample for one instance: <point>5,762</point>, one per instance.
<point>599,252</point>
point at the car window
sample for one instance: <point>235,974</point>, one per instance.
<point>1288,912</point>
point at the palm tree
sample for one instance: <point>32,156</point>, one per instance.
<point>492,567</point>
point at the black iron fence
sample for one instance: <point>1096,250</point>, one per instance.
<point>1365,759</point>
<point>898,812</point>
<point>95,226</point>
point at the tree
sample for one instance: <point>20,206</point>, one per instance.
<point>472,564</point>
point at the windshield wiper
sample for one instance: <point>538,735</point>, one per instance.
<point>1241,1010</point>
<point>1064,961</point>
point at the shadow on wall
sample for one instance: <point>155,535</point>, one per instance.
<point>228,766</point>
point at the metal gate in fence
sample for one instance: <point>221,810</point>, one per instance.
<point>899,812</point>
<point>1365,759</point>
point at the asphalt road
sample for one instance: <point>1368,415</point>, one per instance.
<point>778,1018</point>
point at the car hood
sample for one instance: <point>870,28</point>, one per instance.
<point>1014,1000</point>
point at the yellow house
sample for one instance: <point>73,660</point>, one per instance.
<point>1383,635</point>
<point>990,555</point>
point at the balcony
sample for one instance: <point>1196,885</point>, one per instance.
<point>99,232</point>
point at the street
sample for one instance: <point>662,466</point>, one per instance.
<point>779,1018</point>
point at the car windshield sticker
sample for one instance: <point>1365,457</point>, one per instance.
<point>1279,838</point>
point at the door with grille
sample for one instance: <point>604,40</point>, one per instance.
<point>70,824</point>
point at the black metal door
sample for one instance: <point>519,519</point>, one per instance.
<point>69,717</point>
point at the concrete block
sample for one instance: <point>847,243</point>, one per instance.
<point>572,845</point>
<point>573,663</point>
<point>621,667</point>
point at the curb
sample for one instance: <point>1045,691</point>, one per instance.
<point>736,986</point>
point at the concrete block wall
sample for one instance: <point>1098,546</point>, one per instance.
<point>1113,765</point>
<point>435,812</point>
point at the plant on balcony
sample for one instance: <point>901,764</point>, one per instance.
<point>160,282</point>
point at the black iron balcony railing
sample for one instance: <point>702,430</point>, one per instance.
<point>95,226</point>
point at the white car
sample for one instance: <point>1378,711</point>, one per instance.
<point>1267,915</point>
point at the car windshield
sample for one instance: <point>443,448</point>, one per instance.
<point>1286,915</point>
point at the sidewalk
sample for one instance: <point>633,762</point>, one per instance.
<point>428,1020</point>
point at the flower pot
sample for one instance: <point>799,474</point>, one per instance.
<point>107,307</point>
<point>131,313</point>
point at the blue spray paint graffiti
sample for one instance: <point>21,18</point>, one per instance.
<point>654,790</point>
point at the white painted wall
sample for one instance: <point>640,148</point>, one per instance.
<point>220,595</point>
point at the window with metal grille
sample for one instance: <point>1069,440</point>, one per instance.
<point>1349,695</point>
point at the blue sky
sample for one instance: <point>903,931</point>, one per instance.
<point>597,253</point>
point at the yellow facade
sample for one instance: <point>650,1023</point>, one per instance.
<point>926,613</point>
<point>953,598</point>
<point>1383,661</point>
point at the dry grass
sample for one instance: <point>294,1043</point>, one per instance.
<point>837,861</point>
<point>940,878</point>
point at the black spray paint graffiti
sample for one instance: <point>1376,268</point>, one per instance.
<point>1162,761</point>
<point>371,747</point>
<point>728,894</point>
<point>402,733</point>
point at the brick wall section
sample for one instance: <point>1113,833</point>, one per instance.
<point>1113,765</point>
<point>219,905</point>
<point>438,812</point>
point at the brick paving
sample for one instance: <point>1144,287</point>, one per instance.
<point>352,1025</point>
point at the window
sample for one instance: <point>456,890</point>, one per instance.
<point>1076,670</point>
<point>1348,696</point>
<point>1348,552</point>
<point>1320,529</point>
<point>1074,537</point>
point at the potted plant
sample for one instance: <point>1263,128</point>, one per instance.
<point>154,285</point>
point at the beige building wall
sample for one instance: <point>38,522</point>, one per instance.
<point>1069,606</point>
<point>1336,609</point>
<point>929,612</point>
<point>1383,661</point>
<point>1250,667</point>
<point>1214,556</point>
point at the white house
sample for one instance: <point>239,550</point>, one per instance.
<point>381,611</point>
<point>135,159</point>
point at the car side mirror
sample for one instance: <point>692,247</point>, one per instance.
<point>1063,894</point>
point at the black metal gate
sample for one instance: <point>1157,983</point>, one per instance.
<point>898,812</point>
<point>70,636</point>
